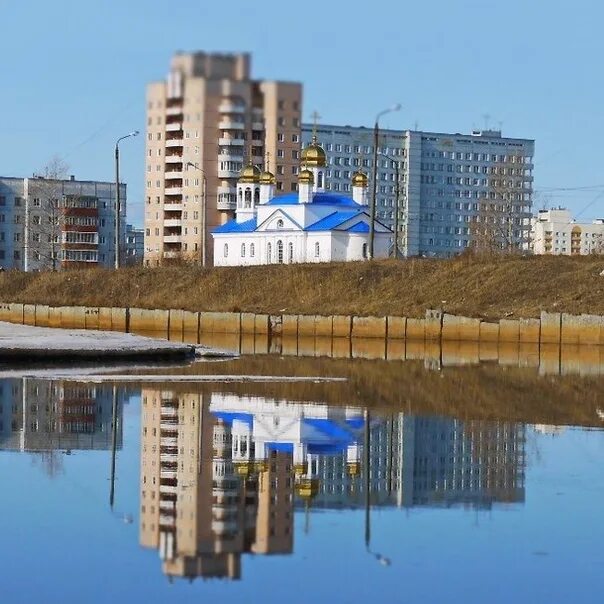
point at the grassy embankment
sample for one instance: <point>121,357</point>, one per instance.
<point>470,286</point>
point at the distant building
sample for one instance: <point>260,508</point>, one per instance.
<point>201,121</point>
<point>135,245</point>
<point>48,224</point>
<point>555,232</point>
<point>46,415</point>
<point>450,184</point>
<point>311,225</point>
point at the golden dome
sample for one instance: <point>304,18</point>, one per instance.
<point>306,177</point>
<point>267,178</point>
<point>249,174</point>
<point>313,155</point>
<point>359,179</point>
<point>307,488</point>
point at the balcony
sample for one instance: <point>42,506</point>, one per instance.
<point>173,207</point>
<point>173,127</point>
<point>171,239</point>
<point>230,124</point>
<point>231,107</point>
<point>173,190</point>
<point>175,143</point>
<point>225,190</point>
<point>174,110</point>
<point>231,142</point>
<point>172,254</point>
<point>234,155</point>
<point>173,222</point>
<point>175,158</point>
<point>257,125</point>
<point>257,143</point>
<point>168,456</point>
<point>173,174</point>
<point>226,173</point>
<point>226,205</point>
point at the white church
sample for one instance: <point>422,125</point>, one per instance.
<point>311,225</point>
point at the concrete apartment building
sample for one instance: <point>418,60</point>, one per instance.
<point>48,224</point>
<point>134,246</point>
<point>205,121</point>
<point>556,232</point>
<point>448,183</point>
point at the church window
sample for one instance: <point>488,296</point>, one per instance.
<point>240,198</point>
<point>280,251</point>
<point>290,252</point>
<point>269,252</point>
<point>317,249</point>
<point>248,198</point>
<point>252,250</point>
<point>256,196</point>
<point>226,250</point>
<point>320,180</point>
<point>365,250</point>
<point>243,250</point>
<point>279,223</point>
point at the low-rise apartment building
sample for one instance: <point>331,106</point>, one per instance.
<point>53,224</point>
<point>556,232</point>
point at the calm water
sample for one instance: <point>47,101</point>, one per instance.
<point>407,483</point>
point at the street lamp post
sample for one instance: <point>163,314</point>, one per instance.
<point>117,195</point>
<point>376,134</point>
<point>204,189</point>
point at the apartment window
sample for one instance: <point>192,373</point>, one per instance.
<point>295,138</point>
<point>281,104</point>
<point>280,137</point>
<point>280,153</point>
<point>295,154</point>
<point>17,255</point>
<point>281,121</point>
<point>17,201</point>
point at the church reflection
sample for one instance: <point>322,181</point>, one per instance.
<point>223,475</point>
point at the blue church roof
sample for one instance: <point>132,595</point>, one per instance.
<point>232,226</point>
<point>333,221</point>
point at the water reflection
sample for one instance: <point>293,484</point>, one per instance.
<point>221,474</point>
<point>45,415</point>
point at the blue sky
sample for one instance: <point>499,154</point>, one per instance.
<point>75,75</point>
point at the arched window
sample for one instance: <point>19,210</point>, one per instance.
<point>280,251</point>
<point>240,201</point>
<point>364,250</point>
<point>290,252</point>
<point>248,198</point>
<point>243,250</point>
<point>317,250</point>
<point>320,180</point>
<point>252,250</point>
<point>279,223</point>
<point>256,196</point>
<point>226,250</point>
<point>269,253</point>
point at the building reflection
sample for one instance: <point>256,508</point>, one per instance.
<point>222,474</point>
<point>45,415</point>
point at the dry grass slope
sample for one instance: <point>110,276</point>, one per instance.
<point>472,286</point>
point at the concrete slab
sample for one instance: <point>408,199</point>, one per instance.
<point>27,343</point>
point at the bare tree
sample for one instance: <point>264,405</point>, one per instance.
<point>44,216</point>
<point>501,222</point>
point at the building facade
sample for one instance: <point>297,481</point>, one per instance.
<point>312,225</point>
<point>48,224</point>
<point>555,232</point>
<point>202,121</point>
<point>134,245</point>
<point>454,190</point>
